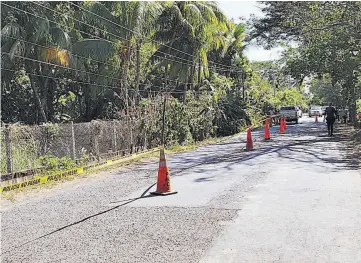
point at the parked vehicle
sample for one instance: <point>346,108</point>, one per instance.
<point>291,113</point>
<point>315,110</point>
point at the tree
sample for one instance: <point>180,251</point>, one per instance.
<point>35,37</point>
<point>325,32</point>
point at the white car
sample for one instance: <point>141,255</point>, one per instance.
<point>315,110</point>
<point>291,113</point>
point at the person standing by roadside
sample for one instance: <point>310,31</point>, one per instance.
<point>330,118</point>
<point>338,114</point>
<point>341,113</point>
<point>345,116</point>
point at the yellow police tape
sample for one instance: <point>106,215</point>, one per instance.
<point>63,175</point>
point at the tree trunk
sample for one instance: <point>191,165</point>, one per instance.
<point>193,71</point>
<point>138,73</point>
<point>199,74</point>
<point>125,75</point>
<point>38,100</point>
<point>44,92</point>
<point>49,99</point>
<point>185,85</point>
<point>166,75</point>
<point>88,101</point>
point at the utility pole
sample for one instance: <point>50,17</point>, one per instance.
<point>163,118</point>
<point>274,85</point>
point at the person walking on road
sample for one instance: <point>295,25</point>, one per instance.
<point>330,118</point>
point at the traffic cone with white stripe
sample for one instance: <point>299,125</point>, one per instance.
<point>163,183</point>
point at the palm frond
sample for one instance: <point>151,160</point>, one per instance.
<point>174,10</point>
<point>97,49</point>
<point>193,14</point>
<point>207,13</point>
<point>56,55</point>
<point>41,27</point>
<point>18,48</point>
<point>60,37</point>
<point>11,31</point>
<point>221,17</point>
<point>100,10</point>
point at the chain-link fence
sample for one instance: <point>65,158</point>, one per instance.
<point>25,148</point>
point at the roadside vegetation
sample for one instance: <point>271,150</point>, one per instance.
<point>86,61</point>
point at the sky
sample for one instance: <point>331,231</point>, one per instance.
<point>237,9</point>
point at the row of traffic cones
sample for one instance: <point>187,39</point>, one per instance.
<point>163,182</point>
<point>267,134</point>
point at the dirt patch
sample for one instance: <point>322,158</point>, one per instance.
<point>352,142</point>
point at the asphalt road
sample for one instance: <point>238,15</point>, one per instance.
<point>295,198</point>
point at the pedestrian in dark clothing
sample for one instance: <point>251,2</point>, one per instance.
<point>330,118</point>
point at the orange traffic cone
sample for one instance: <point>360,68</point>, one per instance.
<point>163,184</point>
<point>284,123</point>
<point>249,145</point>
<point>282,126</point>
<point>316,118</point>
<point>267,135</point>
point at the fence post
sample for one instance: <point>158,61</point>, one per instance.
<point>9,161</point>
<point>96,147</point>
<point>145,140</point>
<point>131,137</point>
<point>114,138</point>
<point>73,149</point>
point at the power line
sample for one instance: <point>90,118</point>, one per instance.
<point>76,70</point>
<point>81,56</point>
<point>117,36</point>
<point>56,65</point>
<point>141,35</point>
<point>55,49</point>
<point>89,34</point>
<point>93,84</point>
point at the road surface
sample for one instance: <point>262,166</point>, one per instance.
<point>295,198</point>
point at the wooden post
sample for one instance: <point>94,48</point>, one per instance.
<point>73,149</point>
<point>9,161</point>
<point>145,140</point>
<point>131,137</point>
<point>114,137</point>
<point>163,121</point>
<point>96,147</point>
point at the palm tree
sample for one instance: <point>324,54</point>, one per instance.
<point>128,23</point>
<point>32,35</point>
<point>186,28</point>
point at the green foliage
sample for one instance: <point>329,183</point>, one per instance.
<point>53,163</point>
<point>326,35</point>
<point>112,69</point>
<point>177,123</point>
